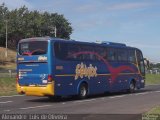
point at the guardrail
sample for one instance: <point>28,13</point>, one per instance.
<point>7,73</point>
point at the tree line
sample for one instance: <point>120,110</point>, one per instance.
<point>157,65</point>
<point>23,23</point>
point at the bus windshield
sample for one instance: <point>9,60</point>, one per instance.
<point>33,48</point>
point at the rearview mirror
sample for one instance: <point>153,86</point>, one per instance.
<point>146,63</point>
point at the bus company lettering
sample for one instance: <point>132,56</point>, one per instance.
<point>42,58</point>
<point>20,58</point>
<point>83,71</point>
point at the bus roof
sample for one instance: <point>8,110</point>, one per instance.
<point>103,43</point>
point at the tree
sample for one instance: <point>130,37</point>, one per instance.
<point>23,23</point>
<point>4,13</point>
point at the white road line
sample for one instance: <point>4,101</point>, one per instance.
<point>7,110</point>
<point>11,96</point>
<point>157,91</point>
<point>5,102</point>
<point>79,101</point>
<point>35,107</point>
<point>119,96</point>
<point>142,93</point>
<point>103,98</point>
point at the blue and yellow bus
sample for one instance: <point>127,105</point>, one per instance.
<point>56,67</point>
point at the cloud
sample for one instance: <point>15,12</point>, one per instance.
<point>87,8</point>
<point>140,44</point>
<point>13,4</point>
<point>128,6</point>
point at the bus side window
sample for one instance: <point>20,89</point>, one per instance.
<point>112,54</point>
<point>106,54</point>
<point>122,55</point>
<point>131,56</point>
<point>101,52</point>
<point>75,52</point>
<point>87,48</point>
<point>57,50</point>
<point>60,50</point>
<point>73,49</point>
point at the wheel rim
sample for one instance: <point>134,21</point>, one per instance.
<point>83,91</point>
<point>132,87</point>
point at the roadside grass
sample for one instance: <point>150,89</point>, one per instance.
<point>7,86</point>
<point>152,114</point>
<point>9,62</point>
<point>152,79</point>
<point>155,110</point>
<point>8,66</point>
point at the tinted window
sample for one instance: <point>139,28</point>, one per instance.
<point>112,54</point>
<point>70,51</point>
<point>131,56</point>
<point>101,51</point>
<point>88,52</point>
<point>140,61</point>
<point>73,52</point>
<point>122,55</point>
<point>67,51</point>
<point>60,50</point>
<point>33,48</point>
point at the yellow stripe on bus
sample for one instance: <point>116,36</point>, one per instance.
<point>68,75</point>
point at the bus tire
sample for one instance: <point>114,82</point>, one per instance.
<point>132,87</point>
<point>83,91</point>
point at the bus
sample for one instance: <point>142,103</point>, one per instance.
<point>55,67</point>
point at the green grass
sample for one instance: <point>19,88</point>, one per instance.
<point>152,79</point>
<point>153,114</point>
<point>155,110</point>
<point>7,86</point>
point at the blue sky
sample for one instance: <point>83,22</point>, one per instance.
<point>134,22</point>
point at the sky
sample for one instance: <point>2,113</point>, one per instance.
<point>133,22</point>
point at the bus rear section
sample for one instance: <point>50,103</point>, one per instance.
<point>33,72</point>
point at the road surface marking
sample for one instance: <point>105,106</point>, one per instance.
<point>119,96</point>
<point>103,98</point>
<point>84,100</point>
<point>63,103</point>
<point>142,93</point>
<point>5,102</point>
<point>11,96</point>
<point>157,91</point>
<point>7,110</point>
<point>35,107</point>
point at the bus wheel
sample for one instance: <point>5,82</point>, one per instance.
<point>132,87</point>
<point>83,91</point>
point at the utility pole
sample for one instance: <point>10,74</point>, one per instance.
<point>54,31</point>
<point>6,53</point>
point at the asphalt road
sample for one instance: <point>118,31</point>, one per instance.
<point>112,106</point>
